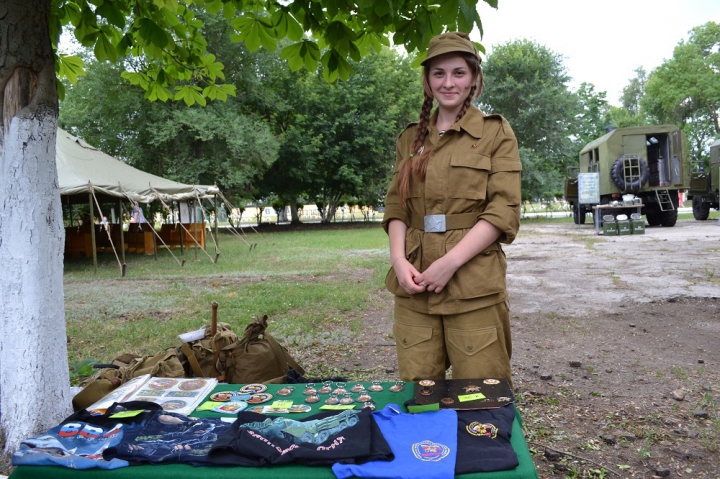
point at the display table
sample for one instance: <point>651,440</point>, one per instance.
<point>600,210</point>
<point>525,470</point>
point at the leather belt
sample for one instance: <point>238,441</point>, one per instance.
<point>443,223</point>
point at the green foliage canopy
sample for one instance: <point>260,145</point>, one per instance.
<point>168,33</point>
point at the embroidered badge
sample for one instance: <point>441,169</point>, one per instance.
<point>477,429</point>
<point>430,451</point>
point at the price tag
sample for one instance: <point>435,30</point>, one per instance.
<point>471,397</point>
<point>282,404</point>
<point>337,407</point>
<point>126,414</point>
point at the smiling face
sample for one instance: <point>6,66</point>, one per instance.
<point>450,80</point>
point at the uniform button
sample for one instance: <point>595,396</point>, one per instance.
<point>470,347</point>
<point>404,340</point>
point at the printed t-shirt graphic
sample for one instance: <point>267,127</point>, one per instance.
<point>484,440</point>
<point>322,439</point>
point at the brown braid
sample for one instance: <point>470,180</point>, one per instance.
<point>418,141</point>
<point>421,164</point>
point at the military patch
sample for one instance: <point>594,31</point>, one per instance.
<point>430,451</point>
<point>477,429</point>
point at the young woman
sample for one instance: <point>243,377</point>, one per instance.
<point>454,197</point>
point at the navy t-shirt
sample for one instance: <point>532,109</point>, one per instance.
<point>484,440</point>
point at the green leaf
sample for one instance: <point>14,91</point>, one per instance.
<point>190,95</point>
<point>286,25</point>
<point>70,67</point>
<point>114,16</point>
<point>104,50</point>
<point>137,78</point>
<point>152,33</point>
<point>228,10</point>
<point>213,69</point>
<point>214,7</point>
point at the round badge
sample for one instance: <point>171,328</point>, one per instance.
<point>162,384</point>
<point>173,405</point>
<point>347,400</point>
<point>426,391</point>
<point>357,388</point>
<point>222,396</point>
<point>397,387</point>
<point>447,401</point>
<point>253,388</point>
<point>309,390</point>
<point>340,391</point>
<point>192,384</point>
<point>332,400</point>
<point>491,381</point>
<point>325,390</point>
<point>427,382</point>
<point>369,405</point>
<point>312,399</point>
<point>259,398</point>
<point>255,409</point>
<point>364,397</point>
<point>471,388</point>
<point>286,391</point>
<point>376,387</point>
<point>504,399</point>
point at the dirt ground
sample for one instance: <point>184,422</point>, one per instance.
<point>616,349</point>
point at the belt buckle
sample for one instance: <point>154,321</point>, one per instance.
<point>435,224</point>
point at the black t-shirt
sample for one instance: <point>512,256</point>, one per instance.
<point>258,440</point>
<point>484,440</point>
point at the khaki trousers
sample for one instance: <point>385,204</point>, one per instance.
<point>477,344</point>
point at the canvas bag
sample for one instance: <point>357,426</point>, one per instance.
<point>123,368</point>
<point>257,357</point>
<point>198,357</point>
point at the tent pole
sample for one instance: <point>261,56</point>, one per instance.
<point>194,220</point>
<point>122,233</point>
<point>217,238</point>
<point>92,230</point>
<point>180,230</point>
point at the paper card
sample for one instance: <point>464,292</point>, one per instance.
<point>282,404</point>
<point>424,407</point>
<point>126,414</point>
<point>471,397</point>
<point>208,405</point>
<point>337,407</point>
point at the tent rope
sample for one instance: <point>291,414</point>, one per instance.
<point>217,250</point>
<point>233,229</point>
<point>252,227</point>
<point>134,203</point>
<point>157,195</point>
<point>107,230</point>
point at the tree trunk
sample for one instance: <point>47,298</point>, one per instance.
<point>294,217</point>
<point>34,378</point>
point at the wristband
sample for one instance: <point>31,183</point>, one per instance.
<point>392,263</point>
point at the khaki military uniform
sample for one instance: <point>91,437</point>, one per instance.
<point>473,174</point>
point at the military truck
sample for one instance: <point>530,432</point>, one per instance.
<point>649,162</point>
<point>705,185</point>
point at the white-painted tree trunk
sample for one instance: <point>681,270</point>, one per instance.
<point>34,378</point>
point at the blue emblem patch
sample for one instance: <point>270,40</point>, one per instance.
<point>430,451</point>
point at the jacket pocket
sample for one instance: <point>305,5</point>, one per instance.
<point>482,276</point>
<point>469,176</point>
<point>413,255</point>
<point>471,342</point>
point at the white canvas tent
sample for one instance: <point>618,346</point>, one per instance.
<point>80,165</point>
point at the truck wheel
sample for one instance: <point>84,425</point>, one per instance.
<point>653,216</point>
<point>668,218</point>
<point>634,183</point>
<point>579,214</point>
<point>701,209</point>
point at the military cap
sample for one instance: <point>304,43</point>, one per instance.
<point>450,42</point>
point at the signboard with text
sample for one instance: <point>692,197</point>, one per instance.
<point>588,188</point>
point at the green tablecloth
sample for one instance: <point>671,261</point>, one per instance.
<point>526,469</point>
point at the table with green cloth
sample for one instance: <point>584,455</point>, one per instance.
<point>525,470</point>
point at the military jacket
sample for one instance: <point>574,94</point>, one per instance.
<point>473,170</point>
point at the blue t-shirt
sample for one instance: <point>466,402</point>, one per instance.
<point>424,445</point>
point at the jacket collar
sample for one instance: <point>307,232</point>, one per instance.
<point>472,122</point>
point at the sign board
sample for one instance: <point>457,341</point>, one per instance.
<point>588,188</point>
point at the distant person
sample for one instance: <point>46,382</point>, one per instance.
<point>104,225</point>
<point>454,197</point>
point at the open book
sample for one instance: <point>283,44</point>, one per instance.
<point>180,395</point>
